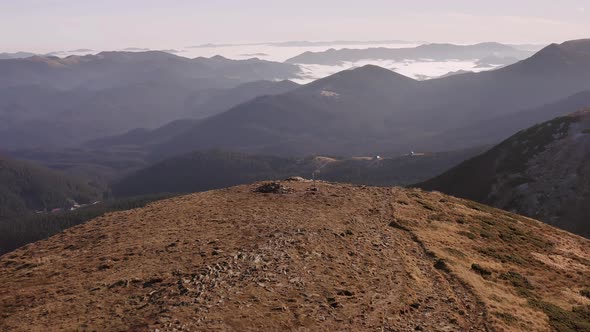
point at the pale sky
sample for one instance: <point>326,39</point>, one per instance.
<point>54,25</point>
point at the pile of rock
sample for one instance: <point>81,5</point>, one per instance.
<point>273,188</point>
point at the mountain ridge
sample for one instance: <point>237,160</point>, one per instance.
<point>433,51</point>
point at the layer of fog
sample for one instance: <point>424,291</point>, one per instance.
<point>422,69</point>
<point>419,70</point>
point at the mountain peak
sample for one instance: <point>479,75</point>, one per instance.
<point>218,57</point>
<point>369,78</point>
<point>371,74</point>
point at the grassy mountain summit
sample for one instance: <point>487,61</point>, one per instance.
<point>541,172</point>
<point>299,255</point>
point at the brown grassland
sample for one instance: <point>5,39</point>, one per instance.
<point>341,257</point>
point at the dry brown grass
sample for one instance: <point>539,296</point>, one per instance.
<point>341,258</point>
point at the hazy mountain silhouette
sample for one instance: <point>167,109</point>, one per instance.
<point>16,55</point>
<point>373,110</point>
<point>368,110</point>
<point>506,125</point>
<point>112,69</point>
<point>117,91</point>
<point>432,52</point>
<point>309,120</point>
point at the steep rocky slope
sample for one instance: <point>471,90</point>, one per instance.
<point>542,172</point>
<point>339,257</point>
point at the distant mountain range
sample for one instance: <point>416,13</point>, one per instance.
<point>62,102</point>
<point>16,55</point>
<point>542,172</point>
<point>371,110</point>
<point>495,53</point>
<point>115,69</point>
<point>366,111</point>
<point>49,101</point>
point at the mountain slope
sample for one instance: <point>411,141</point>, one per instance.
<point>340,257</point>
<point>25,187</point>
<point>214,102</point>
<point>197,105</point>
<point>554,73</point>
<point>321,117</point>
<point>38,116</point>
<point>541,172</point>
<point>505,125</point>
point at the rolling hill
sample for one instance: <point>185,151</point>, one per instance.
<point>292,255</point>
<point>540,172</point>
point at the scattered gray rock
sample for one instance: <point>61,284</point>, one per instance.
<point>273,188</point>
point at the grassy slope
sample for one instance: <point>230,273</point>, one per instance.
<point>341,257</point>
